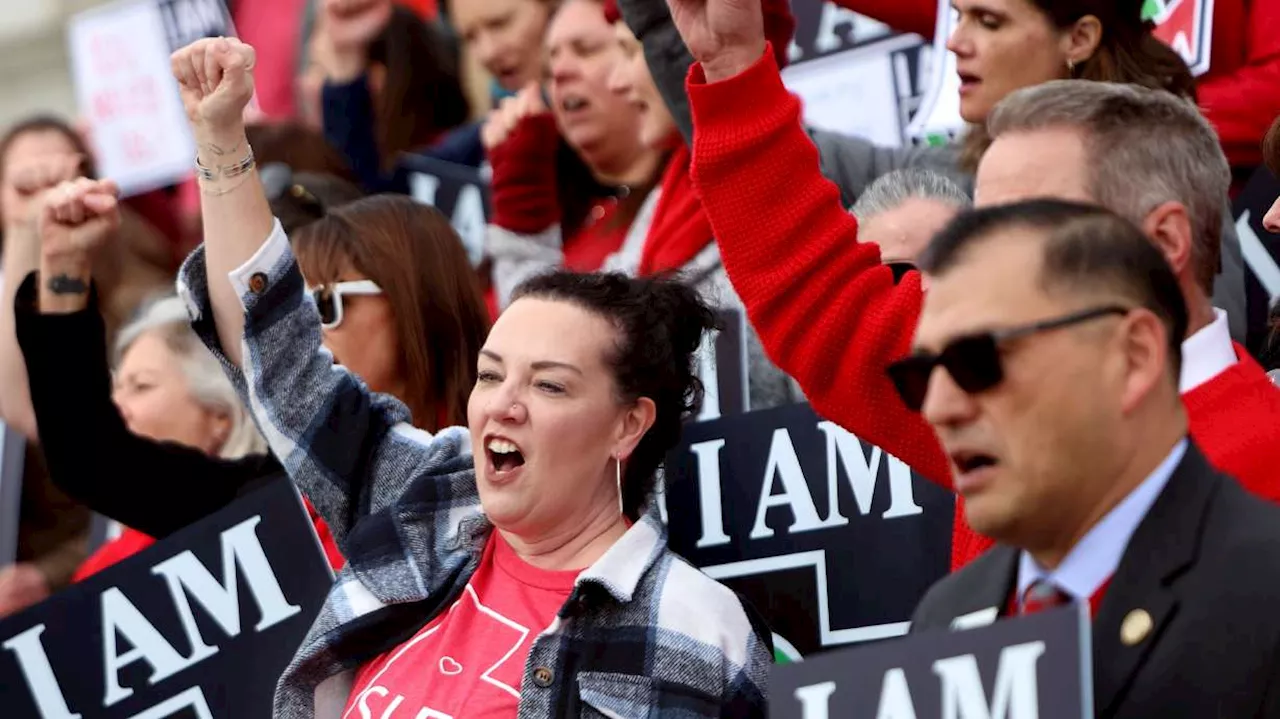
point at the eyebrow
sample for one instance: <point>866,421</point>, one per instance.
<point>537,366</point>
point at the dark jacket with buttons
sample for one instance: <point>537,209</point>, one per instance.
<point>1203,566</point>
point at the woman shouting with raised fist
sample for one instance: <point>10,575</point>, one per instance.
<point>532,579</point>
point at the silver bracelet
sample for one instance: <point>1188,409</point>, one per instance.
<point>226,172</point>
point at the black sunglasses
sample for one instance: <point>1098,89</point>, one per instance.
<point>973,361</point>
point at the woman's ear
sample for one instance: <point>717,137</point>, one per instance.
<point>638,419</point>
<point>1082,40</point>
<point>220,426</point>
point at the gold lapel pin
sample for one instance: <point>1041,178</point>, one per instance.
<point>1137,625</point>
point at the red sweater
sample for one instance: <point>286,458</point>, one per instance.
<point>830,315</point>
<point>1240,94</point>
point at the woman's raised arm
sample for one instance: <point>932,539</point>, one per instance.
<point>351,451</point>
<point>216,82</point>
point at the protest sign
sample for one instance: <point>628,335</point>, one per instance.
<point>1033,667</point>
<point>460,192</point>
<point>839,57</point>
<point>12,455</point>
<point>200,624</point>
<point>722,367</point>
<point>125,89</point>
<point>1261,251</point>
<point>832,539</point>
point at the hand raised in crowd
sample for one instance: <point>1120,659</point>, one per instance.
<point>215,79</point>
<point>77,218</point>
<point>507,117</point>
<point>33,179</point>
<point>725,36</point>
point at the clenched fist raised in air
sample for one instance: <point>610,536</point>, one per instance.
<point>725,36</point>
<point>215,79</point>
<point>76,219</point>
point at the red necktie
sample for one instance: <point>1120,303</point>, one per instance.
<point>1042,595</point>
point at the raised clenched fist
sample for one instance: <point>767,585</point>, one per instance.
<point>509,113</point>
<point>77,218</point>
<point>725,36</point>
<point>33,178</point>
<point>215,77</point>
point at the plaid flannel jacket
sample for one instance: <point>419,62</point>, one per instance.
<point>643,634</point>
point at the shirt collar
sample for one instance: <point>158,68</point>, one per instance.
<point>620,569</point>
<point>1207,353</point>
<point>1095,557</point>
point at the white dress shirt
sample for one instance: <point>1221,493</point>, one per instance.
<point>1207,353</point>
<point>1094,559</point>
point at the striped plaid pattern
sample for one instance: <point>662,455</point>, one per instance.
<point>644,634</point>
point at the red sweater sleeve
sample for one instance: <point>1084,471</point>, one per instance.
<point>525,198</point>
<point>827,311</point>
<point>917,16</point>
<point>1242,102</point>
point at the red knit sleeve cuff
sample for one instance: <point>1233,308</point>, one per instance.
<point>730,101</point>
<point>525,199</point>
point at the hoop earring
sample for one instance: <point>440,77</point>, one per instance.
<point>617,463</point>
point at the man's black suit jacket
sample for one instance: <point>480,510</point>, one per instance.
<point>1205,564</point>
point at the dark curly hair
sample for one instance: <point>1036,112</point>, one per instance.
<point>660,322</point>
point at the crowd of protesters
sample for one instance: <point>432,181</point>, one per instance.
<point>1048,317</point>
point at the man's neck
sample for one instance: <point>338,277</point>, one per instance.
<point>1200,312</point>
<point>1133,469</point>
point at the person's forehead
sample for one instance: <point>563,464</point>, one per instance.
<point>539,330</point>
<point>1051,162</point>
<point>995,284</point>
<point>577,20</point>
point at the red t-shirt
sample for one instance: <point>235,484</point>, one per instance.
<point>470,659</point>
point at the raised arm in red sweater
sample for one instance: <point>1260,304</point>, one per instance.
<point>827,311</point>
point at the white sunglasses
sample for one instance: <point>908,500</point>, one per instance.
<point>328,298</point>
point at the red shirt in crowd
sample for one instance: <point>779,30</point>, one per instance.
<point>830,314</point>
<point>468,661</point>
<point>1240,94</point>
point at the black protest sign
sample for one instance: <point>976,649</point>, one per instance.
<point>460,192</point>
<point>200,625</point>
<point>186,21</point>
<point>1261,251</point>
<point>1034,667</point>
<point>722,367</point>
<point>833,540</point>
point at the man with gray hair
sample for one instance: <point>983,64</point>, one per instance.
<point>1153,159</point>
<point>904,209</point>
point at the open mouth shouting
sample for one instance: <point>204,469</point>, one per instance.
<point>504,458</point>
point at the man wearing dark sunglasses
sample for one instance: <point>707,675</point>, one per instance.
<point>1047,360</point>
